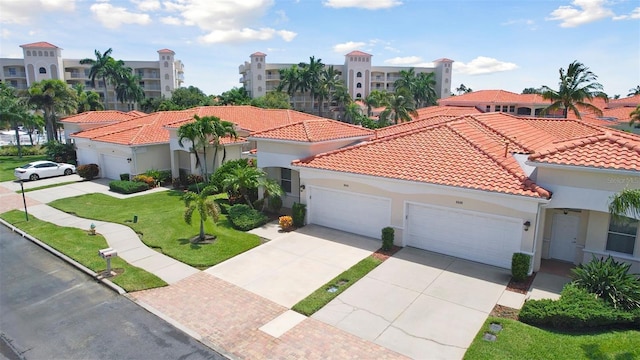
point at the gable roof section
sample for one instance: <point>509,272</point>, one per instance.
<point>494,96</point>
<point>358,53</point>
<point>93,117</point>
<point>41,44</point>
<point>412,125</point>
<point>611,150</point>
<point>314,130</point>
<point>434,155</point>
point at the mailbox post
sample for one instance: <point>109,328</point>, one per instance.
<point>107,254</point>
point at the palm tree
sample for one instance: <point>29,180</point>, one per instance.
<point>13,112</point>
<point>310,77</point>
<point>406,81</point>
<point>289,79</point>
<point>634,91</point>
<point>576,85</point>
<point>635,116</point>
<point>462,89</point>
<point>271,188</point>
<point>128,88</point>
<point>99,69</point>
<point>221,129</point>
<point>400,108</point>
<point>329,81</point>
<point>376,98</point>
<point>241,180</point>
<point>353,113</point>
<point>626,203</point>
<point>425,90</point>
<point>52,97</point>
<point>206,208</point>
<point>88,100</point>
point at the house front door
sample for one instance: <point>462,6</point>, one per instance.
<point>564,234</point>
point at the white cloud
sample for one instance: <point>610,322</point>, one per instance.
<point>404,61</point>
<point>582,12</point>
<point>518,22</point>
<point>148,5</point>
<point>244,35</point>
<point>112,17</point>
<point>170,20</point>
<point>25,11</point>
<point>5,34</point>
<point>363,4</point>
<point>635,14</point>
<point>483,65</point>
<point>348,47</point>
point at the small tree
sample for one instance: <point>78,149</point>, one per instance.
<point>205,207</point>
<point>388,235</point>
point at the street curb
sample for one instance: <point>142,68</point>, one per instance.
<point>64,257</point>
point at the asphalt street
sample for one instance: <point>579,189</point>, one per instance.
<point>50,310</point>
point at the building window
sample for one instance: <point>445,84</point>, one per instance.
<point>259,66</point>
<point>166,64</point>
<point>259,77</point>
<point>28,52</point>
<point>40,53</point>
<point>259,88</point>
<point>512,108</point>
<point>622,234</point>
<point>359,74</point>
<point>42,70</point>
<point>163,57</point>
<point>497,108</point>
<point>487,109</point>
<point>51,53</point>
<point>167,88</point>
<point>446,70</point>
<point>359,85</point>
<point>358,96</point>
<point>285,179</point>
<point>46,53</point>
<point>166,76</point>
<point>12,71</point>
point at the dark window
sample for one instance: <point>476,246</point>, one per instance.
<point>622,235</point>
<point>359,74</point>
<point>42,70</point>
<point>359,85</point>
<point>285,179</point>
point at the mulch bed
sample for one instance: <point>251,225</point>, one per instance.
<point>504,312</point>
<point>521,287</point>
<point>384,255</point>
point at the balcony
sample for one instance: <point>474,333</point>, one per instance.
<point>14,74</point>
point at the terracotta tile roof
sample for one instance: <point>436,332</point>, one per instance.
<point>106,116</point>
<point>358,53</point>
<point>314,130</point>
<point>447,110</point>
<point>230,140</point>
<point>436,156</point>
<point>616,150</point>
<point>41,44</point>
<point>161,51</point>
<point>628,101</point>
<point>258,54</point>
<point>412,125</point>
<point>136,113</point>
<point>494,96</point>
<point>443,60</point>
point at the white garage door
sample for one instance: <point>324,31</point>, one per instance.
<point>355,213</point>
<point>469,235</point>
<point>113,166</point>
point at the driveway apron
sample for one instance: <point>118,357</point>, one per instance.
<point>420,304</point>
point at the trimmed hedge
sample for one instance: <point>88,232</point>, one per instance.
<point>127,187</point>
<point>298,213</point>
<point>244,218</point>
<point>520,266</point>
<point>388,234</point>
<point>576,309</point>
<point>88,171</point>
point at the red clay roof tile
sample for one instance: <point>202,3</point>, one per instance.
<point>106,116</point>
<point>41,44</point>
<point>314,130</point>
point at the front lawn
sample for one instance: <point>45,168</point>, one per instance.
<point>521,341</point>
<point>9,163</point>
<point>83,248</point>
<point>160,224</point>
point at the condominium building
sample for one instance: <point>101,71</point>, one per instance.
<point>43,60</point>
<point>358,73</point>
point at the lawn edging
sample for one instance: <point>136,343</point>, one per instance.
<point>64,257</point>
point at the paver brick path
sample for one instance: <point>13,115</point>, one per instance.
<point>10,200</point>
<point>230,317</point>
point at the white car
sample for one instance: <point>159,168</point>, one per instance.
<point>43,169</point>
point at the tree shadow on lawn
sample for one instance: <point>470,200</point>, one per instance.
<point>593,351</point>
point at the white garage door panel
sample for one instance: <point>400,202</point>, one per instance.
<point>114,166</point>
<point>359,214</point>
<point>470,235</point>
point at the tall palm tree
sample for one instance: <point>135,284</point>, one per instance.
<point>310,77</point>
<point>425,90</point>
<point>406,81</point>
<point>289,79</point>
<point>128,88</point>
<point>635,116</point>
<point>88,100</point>
<point>13,112</point>
<point>205,206</point>
<point>199,133</point>
<point>53,97</point>
<point>401,108</point>
<point>376,98</point>
<point>626,203</point>
<point>329,81</point>
<point>100,69</point>
<point>634,91</point>
<point>221,129</point>
<point>353,113</point>
<point>577,87</point>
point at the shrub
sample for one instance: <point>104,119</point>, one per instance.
<point>299,211</point>
<point>520,266</point>
<point>194,179</point>
<point>88,171</point>
<point>61,152</point>
<point>244,218</point>
<point>258,203</point>
<point>610,280</point>
<point>164,176</point>
<point>153,173</point>
<point>274,203</point>
<point>182,174</point>
<point>224,169</point>
<point>576,309</point>
<point>388,235</point>
<point>176,183</point>
<point>127,187</point>
<point>285,222</point>
<point>12,150</point>
<point>145,179</point>
<point>125,177</point>
<point>224,205</point>
<point>196,187</point>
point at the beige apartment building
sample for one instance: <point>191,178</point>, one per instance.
<point>43,60</point>
<point>358,73</point>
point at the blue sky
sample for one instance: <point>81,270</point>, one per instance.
<point>504,44</point>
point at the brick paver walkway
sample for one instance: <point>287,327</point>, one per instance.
<point>230,317</point>
<point>10,200</point>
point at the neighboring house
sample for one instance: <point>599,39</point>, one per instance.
<point>42,60</point>
<point>150,142</point>
<point>479,187</point>
<point>93,119</point>
<point>359,76</point>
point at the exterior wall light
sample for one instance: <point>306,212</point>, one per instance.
<point>526,225</point>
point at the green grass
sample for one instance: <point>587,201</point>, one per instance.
<point>521,341</point>
<point>83,248</point>
<point>47,186</point>
<point>161,225</point>
<point>9,163</point>
<point>321,297</point>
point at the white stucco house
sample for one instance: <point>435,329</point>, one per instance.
<point>479,187</point>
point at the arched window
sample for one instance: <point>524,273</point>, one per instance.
<point>51,53</point>
<point>166,76</point>
<point>259,88</point>
<point>259,77</point>
<point>166,64</point>
<point>359,74</point>
<point>358,96</point>
<point>167,88</point>
<point>359,85</point>
<point>42,70</point>
<point>259,66</point>
<point>163,58</point>
<point>28,52</point>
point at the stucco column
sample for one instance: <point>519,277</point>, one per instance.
<point>175,172</point>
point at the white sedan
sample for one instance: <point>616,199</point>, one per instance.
<point>43,169</point>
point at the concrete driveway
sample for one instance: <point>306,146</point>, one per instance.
<point>419,304</point>
<point>288,268</point>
